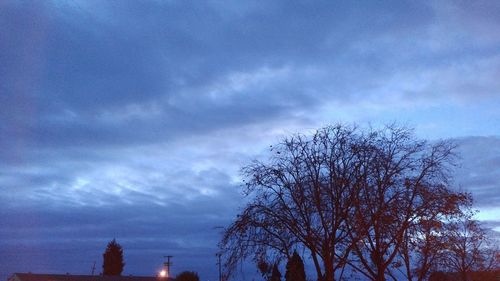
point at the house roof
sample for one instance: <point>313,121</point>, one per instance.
<point>68,277</point>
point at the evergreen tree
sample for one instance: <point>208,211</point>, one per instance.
<point>113,259</point>
<point>276,274</point>
<point>264,268</point>
<point>295,269</point>
<point>269,273</point>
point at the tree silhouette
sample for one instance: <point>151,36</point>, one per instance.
<point>113,262</point>
<point>269,273</point>
<point>468,249</point>
<point>404,182</point>
<point>276,274</point>
<point>347,197</point>
<point>295,269</point>
<point>264,268</point>
<point>301,199</point>
<point>187,276</point>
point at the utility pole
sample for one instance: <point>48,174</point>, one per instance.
<point>93,268</point>
<point>220,265</point>
<point>219,254</point>
<point>167,264</point>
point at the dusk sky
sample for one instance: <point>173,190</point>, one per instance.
<point>131,119</point>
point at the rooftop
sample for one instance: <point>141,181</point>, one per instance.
<point>69,277</point>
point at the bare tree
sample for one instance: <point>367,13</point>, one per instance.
<point>468,248</point>
<point>344,196</point>
<point>425,242</point>
<point>404,184</point>
<point>300,199</point>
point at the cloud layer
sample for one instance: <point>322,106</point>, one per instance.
<point>132,119</point>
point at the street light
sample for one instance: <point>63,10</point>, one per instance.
<point>163,273</point>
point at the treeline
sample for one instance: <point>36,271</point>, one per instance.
<point>378,204</point>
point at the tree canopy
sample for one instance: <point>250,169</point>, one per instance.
<point>187,276</point>
<point>113,262</point>
<point>371,200</point>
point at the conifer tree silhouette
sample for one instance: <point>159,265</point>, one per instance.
<point>295,269</point>
<point>113,259</point>
<point>276,274</point>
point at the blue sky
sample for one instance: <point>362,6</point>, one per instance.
<point>131,119</point>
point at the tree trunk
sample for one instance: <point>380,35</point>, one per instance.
<point>380,273</point>
<point>328,264</point>
<point>329,276</point>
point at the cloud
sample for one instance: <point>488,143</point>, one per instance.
<point>69,229</point>
<point>140,113</point>
<point>480,169</point>
<point>105,74</point>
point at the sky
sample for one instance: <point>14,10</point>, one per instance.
<point>132,119</point>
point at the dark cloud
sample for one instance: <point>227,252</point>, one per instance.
<point>96,73</point>
<point>480,169</point>
<point>70,237</point>
<point>131,119</point>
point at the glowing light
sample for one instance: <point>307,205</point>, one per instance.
<point>163,273</point>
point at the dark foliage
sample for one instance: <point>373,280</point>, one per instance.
<point>269,273</point>
<point>295,269</point>
<point>187,276</point>
<point>276,274</point>
<point>264,268</point>
<point>113,262</point>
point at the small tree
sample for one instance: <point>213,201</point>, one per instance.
<point>295,269</point>
<point>264,268</point>
<point>425,242</point>
<point>468,248</point>
<point>276,274</point>
<point>269,273</point>
<point>113,259</point>
<point>187,276</point>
